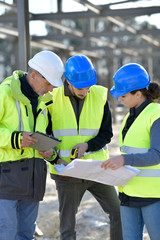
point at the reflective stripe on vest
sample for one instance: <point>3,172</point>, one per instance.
<point>74,132</point>
<point>149,173</point>
<point>44,113</point>
<point>129,150</point>
<point>20,115</point>
<point>66,153</point>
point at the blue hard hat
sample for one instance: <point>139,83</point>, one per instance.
<point>80,72</point>
<point>128,78</point>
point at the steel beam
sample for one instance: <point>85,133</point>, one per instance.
<point>23,39</point>
<point>107,34</point>
<point>82,15</point>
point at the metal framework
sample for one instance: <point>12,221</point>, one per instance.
<point>95,40</point>
<point>107,44</point>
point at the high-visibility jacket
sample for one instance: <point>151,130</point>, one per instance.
<point>65,126</point>
<point>20,169</point>
<point>137,140</point>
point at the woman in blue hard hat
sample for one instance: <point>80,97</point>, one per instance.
<point>139,141</point>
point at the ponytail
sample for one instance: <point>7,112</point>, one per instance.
<point>151,92</point>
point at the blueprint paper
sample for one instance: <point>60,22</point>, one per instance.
<point>91,170</point>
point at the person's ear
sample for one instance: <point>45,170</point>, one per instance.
<point>138,94</point>
<point>33,75</point>
<point>32,78</point>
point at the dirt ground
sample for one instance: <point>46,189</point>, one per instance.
<point>92,222</point>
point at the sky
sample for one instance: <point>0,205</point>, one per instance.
<point>47,6</point>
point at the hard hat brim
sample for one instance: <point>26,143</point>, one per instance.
<point>83,84</point>
<point>117,94</point>
<point>57,83</point>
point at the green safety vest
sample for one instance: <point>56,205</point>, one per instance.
<point>65,126</point>
<point>137,140</point>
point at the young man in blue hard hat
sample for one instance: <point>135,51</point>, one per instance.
<point>139,140</point>
<point>24,101</point>
<point>81,118</point>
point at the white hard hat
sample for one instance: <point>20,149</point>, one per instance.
<point>49,65</point>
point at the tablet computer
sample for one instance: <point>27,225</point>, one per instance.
<point>45,142</point>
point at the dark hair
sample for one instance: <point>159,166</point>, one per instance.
<point>152,92</point>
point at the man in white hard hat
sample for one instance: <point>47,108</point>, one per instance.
<point>24,101</point>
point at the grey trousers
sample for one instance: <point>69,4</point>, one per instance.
<point>70,193</point>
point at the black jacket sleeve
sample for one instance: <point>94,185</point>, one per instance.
<point>105,132</point>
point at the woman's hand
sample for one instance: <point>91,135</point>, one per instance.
<point>113,163</point>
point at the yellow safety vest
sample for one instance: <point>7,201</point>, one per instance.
<point>65,124</point>
<point>137,140</point>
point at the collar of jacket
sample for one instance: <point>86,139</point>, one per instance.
<point>16,89</point>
